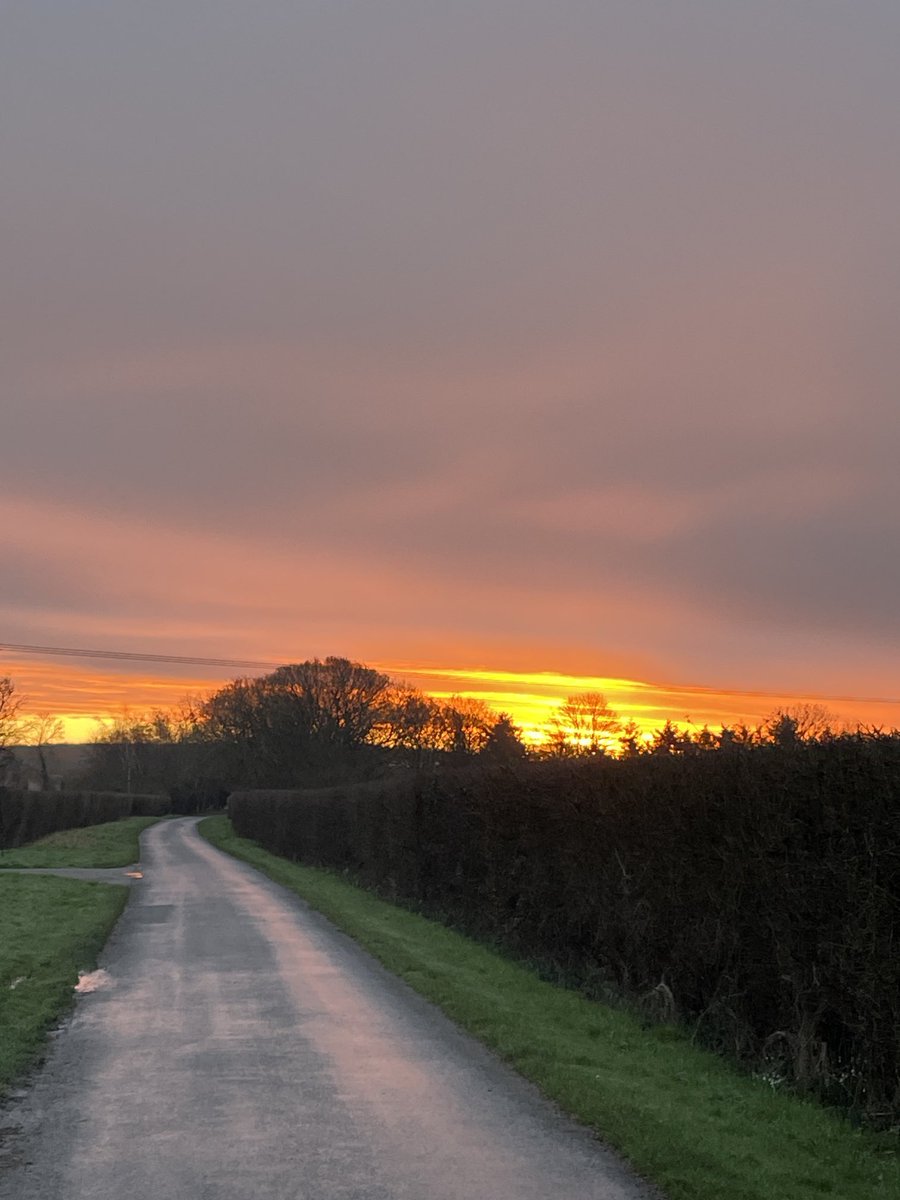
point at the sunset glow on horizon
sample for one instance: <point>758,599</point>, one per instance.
<point>87,700</point>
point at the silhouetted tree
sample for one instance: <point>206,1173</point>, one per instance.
<point>407,723</point>
<point>631,740</point>
<point>463,726</point>
<point>301,723</point>
<point>584,725</point>
<point>331,704</point>
<point>40,731</point>
<point>504,742</point>
<point>669,740</point>
<point>10,722</point>
<point>799,723</point>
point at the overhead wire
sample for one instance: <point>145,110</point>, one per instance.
<point>138,656</point>
<point>248,664</point>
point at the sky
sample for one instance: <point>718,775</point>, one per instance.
<point>504,338</point>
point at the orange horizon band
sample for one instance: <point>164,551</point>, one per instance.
<point>84,699</point>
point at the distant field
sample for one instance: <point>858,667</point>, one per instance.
<point>50,929</point>
<point>64,759</point>
<point>112,844</point>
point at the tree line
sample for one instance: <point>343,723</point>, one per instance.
<point>333,721</point>
<point>305,724</point>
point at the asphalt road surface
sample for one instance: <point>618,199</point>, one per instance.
<point>239,1048</point>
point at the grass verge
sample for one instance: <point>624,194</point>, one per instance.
<point>49,930</point>
<point>112,844</point>
<point>683,1117</point>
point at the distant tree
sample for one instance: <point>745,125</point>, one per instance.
<point>10,722</point>
<point>303,723</point>
<point>237,721</point>
<point>583,725</point>
<point>118,760</point>
<point>504,742</point>
<point>419,727</point>
<point>631,740</point>
<point>40,731</point>
<point>463,726</point>
<point>669,739</point>
<point>738,737</point>
<point>799,723</point>
<point>705,739</point>
<point>332,703</point>
<point>165,751</point>
<point>407,723</point>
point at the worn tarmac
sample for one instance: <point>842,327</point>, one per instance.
<point>239,1048</point>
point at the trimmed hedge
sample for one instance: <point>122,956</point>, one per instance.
<point>26,816</point>
<point>754,894</point>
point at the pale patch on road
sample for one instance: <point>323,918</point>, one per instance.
<point>93,981</point>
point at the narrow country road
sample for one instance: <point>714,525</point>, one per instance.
<point>244,1050</point>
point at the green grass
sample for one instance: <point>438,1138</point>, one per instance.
<point>113,844</point>
<point>684,1118</point>
<point>49,930</point>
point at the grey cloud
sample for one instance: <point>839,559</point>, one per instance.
<point>34,582</point>
<point>207,463</point>
<point>375,277</point>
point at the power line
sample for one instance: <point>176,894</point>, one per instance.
<point>136,656</point>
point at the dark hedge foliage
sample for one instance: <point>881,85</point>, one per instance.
<point>197,796</point>
<point>26,816</point>
<point>754,893</point>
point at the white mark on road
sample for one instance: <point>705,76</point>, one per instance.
<point>93,981</point>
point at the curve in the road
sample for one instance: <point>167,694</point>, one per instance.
<point>245,1050</point>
